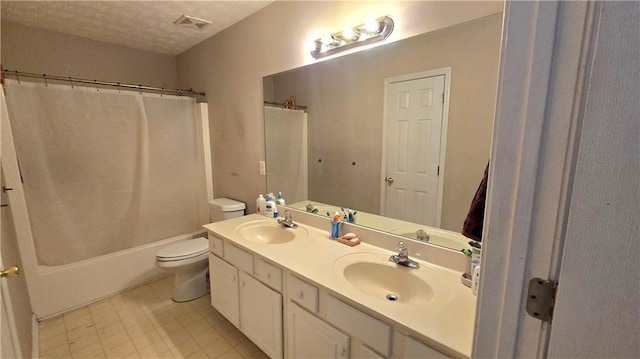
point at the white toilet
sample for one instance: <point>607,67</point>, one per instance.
<point>189,258</point>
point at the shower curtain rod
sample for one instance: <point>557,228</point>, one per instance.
<point>281,104</point>
<point>72,80</point>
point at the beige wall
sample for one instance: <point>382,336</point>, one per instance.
<point>29,49</point>
<point>230,67</point>
<point>344,97</point>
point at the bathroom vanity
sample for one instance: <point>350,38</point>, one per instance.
<point>296,293</point>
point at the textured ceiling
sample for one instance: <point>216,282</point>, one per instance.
<point>146,25</point>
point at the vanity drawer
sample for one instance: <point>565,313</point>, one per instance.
<point>373,332</point>
<point>417,349</point>
<point>215,245</point>
<point>302,293</point>
<point>240,258</point>
<point>268,274</point>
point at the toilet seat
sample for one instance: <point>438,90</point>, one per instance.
<point>183,250</point>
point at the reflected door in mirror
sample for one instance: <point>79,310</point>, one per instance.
<point>414,111</point>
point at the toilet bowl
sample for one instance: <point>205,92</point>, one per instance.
<point>189,259</point>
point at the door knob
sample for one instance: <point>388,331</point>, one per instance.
<point>389,180</point>
<point>12,271</point>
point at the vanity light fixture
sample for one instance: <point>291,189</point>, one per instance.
<point>371,31</point>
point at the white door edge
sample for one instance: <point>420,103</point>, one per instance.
<point>532,159</point>
<point>446,72</point>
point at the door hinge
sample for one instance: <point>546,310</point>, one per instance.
<point>438,171</point>
<point>443,97</point>
<point>541,298</point>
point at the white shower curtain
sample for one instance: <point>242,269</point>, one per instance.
<point>286,149</point>
<point>105,170</point>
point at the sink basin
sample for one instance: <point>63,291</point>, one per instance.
<point>374,275</point>
<point>269,232</point>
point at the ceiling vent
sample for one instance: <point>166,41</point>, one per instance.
<point>192,22</point>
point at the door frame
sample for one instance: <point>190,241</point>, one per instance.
<point>544,64</point>
<point>446,72</point>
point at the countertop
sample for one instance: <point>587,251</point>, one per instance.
<point>447,326</point>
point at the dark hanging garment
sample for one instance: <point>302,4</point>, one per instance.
<point>472,227</point>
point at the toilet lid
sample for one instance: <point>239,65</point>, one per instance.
<point>184,249</point>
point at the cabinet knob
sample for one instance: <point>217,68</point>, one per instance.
<point>301,295</point>
<point>268,275</point>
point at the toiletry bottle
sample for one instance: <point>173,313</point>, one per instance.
<point>335,226</point>
<point>260,204</point>
<point>475,258</point>
<point>475,280</point>
<point>269,206</point>
<point>280,200</point>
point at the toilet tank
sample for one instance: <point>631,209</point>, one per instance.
<point>225,208</point>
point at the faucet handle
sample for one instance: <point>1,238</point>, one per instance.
<point>287,215</point>
<point>402,245</point>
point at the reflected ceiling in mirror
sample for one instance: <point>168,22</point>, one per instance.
<point>342,159</point>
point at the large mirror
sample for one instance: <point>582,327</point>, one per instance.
<point>338,152</point>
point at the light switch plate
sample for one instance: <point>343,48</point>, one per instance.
<point>263,168</point>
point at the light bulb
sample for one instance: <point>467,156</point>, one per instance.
<point>311,46</point>
<point>327,40</point>
<point>348,34</point>
<point>372,26</point>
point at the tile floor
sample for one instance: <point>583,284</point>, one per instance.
<point>144,323</point>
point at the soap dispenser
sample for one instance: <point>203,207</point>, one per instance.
<point>270,207</point>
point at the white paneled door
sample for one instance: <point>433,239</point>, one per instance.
<point>9,346</point>
<point>413,115</point>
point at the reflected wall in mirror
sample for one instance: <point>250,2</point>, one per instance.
<point>345,98</point>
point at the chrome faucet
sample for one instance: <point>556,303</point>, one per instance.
<point>287,221</point>
<point>402,258</point>
<point>422,236</point>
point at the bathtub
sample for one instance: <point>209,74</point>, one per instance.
<point>57,289</point>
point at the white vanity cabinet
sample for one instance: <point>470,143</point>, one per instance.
<point>310,337</point>
<point>288,314</point>
<point>250,305</point>
<point>224,289</point>
<point>415,349</point>
<point>261,315</point>
<point>323,326</point>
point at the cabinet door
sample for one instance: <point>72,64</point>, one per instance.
<point>224,289</point>
<point>310,337</point>
<point>261,315</point>
<point>364,352</point>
